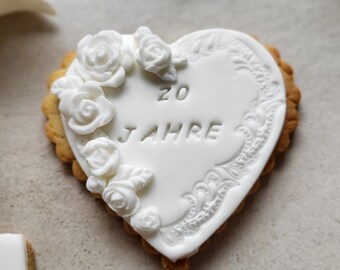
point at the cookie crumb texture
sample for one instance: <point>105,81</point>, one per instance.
<point>30,256</point>
<point>56,134</point>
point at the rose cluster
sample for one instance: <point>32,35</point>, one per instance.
<point>107,56</point>
<point>102,61</point>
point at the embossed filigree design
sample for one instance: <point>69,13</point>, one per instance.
<point>207,195</point>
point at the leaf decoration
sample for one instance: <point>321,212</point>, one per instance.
<point>139,177</point>
<point>178,59</point>
<point>66,83</point>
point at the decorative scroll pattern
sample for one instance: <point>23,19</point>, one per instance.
<point>207,195</point>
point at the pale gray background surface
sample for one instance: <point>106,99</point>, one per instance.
<point>292,223</point>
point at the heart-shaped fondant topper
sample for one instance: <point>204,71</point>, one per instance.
<point>172,137</point>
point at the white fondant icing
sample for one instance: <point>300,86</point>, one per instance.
<point>85,108</point>
<point>154,55</point>
<point>104,58</point>
<point>13,252</point>
<point>206,137</point>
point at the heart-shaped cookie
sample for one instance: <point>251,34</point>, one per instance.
<point>172,137</point>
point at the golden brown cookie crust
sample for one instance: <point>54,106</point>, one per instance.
<point>55,132</point>
<point>30,256</point>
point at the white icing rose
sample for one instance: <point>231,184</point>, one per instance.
<point>120,194</point>
<point>104,58</point>
<point>155,56</point>
<point>146,221</point>
<point>102,156</point>
<point>121,197</point>
<point>86,108</point>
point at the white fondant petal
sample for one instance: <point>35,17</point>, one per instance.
<point>170,75</point>
<point>96,185</point>
<point>92,88</point>
<point>116,80</point>
<point>83,129</point>
<point>108,168</point>
<point>107,111</point>
<point>141,31</point>
<point>82,44</point>
<point>65,105</point>
<point>115,37</point>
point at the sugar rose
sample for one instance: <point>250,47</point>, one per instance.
<point>104,58</point>
<point>154,55</point>
<point>86,108</point>
<point>121,197</point>
<point>102,156</point>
